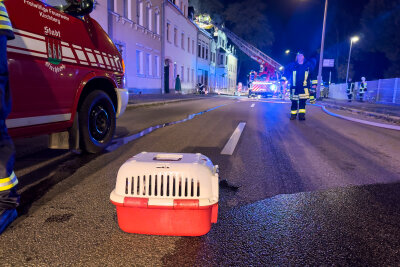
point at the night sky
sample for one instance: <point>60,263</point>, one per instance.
<point>297,25</point>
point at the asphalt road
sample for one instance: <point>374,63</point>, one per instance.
<point>319,192</point>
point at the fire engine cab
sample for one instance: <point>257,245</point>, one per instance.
<point>66,75</point>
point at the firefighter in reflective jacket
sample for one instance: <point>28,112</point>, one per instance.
<point>313,91</point>
<point>350,90</point>
<point>9,199</point>
<point>363,88</point>
<point>298,74</point>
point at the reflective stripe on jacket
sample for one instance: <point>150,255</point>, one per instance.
<point>8,183</point>
<point>363,86</point>
<point>5,23</point>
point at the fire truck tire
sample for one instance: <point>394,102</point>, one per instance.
<point>97,122</point>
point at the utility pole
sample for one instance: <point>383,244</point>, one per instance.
<point>321,54</point>
<point>352,40</point>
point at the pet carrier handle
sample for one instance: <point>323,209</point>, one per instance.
<point>168,157</point>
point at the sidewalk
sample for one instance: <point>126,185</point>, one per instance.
<point>390,113</point>
<point>136,100</point>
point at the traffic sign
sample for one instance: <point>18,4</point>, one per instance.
<point>329,63</point>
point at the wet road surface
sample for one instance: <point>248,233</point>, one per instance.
<point>319,192</point>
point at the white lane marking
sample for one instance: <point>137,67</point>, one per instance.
<point>233,141</point>
<point>253,105</point>
<point>29,121</point>
<point>376,124</point>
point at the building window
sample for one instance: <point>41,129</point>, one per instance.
<point>182,73</point>
<point>183,41</point>
<point>139,62</point>
<point>125,8</point>
<point>188,45</point>
<point>157,23</point>
<point>199,50</point>
<point>148,65</point>
<point>149,20</point>
<point>207,53</point>
<point>188,75</point>
<point>193,47</point>
<point>156,66</point>
<point>112,5</point>
<point>140,14</point>
<point>168,32</point>
<point>202,52</point>
<point>175,70</point>
<point>192,75</point>
<point>129,6</point>
<point>176,36</point>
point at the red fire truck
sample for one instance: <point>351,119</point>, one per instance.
<point>66,75</point>
<point>260,85</point>
<point>265,83</point>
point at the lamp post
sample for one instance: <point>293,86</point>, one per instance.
<point>354,39</point>
<point>287,52</point>
<point>321,54</point>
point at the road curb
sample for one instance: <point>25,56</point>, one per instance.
<point>159,103</point>
<point>375,124</point>
<point>388,118</point>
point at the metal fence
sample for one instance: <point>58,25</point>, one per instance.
<point>383,91</point>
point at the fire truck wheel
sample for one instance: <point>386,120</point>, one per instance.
<point>97,122</point>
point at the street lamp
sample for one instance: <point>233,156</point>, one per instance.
<point>287,52</point>
<point>354,39</point>
<point>321,54</point>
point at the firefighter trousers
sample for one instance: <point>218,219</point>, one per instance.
<point>361,96</point>
<point>349,96</point>
<point>9,199</point>
<point>298,106</point>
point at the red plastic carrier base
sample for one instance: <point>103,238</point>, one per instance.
<point>184,218</point>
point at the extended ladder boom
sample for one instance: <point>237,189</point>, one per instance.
<point>252,51</point>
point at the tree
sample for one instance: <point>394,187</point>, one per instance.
<point>247,19</point>
<point>380,25</point>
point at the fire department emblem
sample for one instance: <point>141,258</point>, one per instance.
<point>54,51</point>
